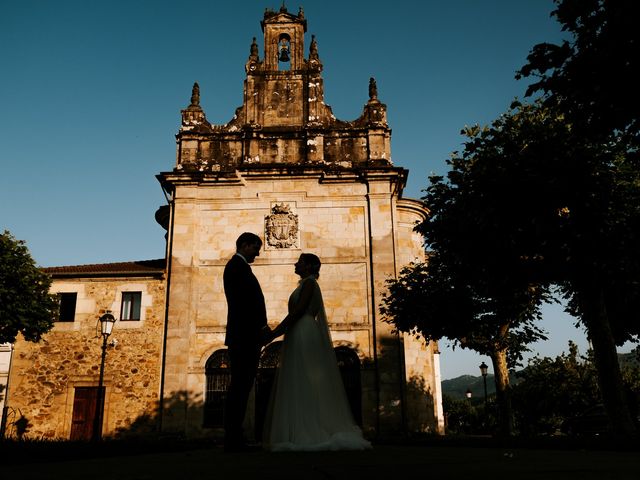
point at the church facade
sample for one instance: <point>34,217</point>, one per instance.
<point>285,168</point>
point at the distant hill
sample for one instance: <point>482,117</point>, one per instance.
<point>631,359</point>
<point>457,387</point>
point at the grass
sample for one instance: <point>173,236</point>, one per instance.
<point>20,451</point>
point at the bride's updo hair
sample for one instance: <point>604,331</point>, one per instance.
<point>313,262</point>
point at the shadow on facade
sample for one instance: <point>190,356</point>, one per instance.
<point>203,417</point>
<point>419,398</point>
<point>380,400</point>
<point>393,406</point>
<point>148,425</point>
<point>14,424</point>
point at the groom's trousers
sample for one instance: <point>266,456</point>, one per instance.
<point>243,364</point>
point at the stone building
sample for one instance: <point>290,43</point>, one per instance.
<point>283,167</point>
<point>6,350</point>
<point>53,383</point>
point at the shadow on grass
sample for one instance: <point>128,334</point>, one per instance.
<point>14,452</point>
<point>30,451</point>
<point>560,442</point>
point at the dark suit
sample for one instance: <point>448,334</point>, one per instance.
<point>246,317</point>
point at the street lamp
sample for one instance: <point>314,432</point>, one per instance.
<point>468,394</point>
<point>483,370</point>
<point>106,325</point>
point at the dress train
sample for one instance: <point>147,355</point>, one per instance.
<point>308,409</point>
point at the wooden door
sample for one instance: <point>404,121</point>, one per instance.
<point>84,411</point>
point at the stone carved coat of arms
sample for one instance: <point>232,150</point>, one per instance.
<point>281,227</point>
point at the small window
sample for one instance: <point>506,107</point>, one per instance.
<point>67,303</point>
<point>131,302</point>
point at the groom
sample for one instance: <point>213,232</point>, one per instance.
<point>247,332</point>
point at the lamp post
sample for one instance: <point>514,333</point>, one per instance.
<point>483,370</point>
<point>106,325</point>
<point>468,394</point>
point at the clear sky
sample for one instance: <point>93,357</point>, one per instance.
<point>91,92</point>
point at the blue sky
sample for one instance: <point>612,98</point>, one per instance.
<point>91,92</point>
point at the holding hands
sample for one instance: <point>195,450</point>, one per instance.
<point>266,335</point>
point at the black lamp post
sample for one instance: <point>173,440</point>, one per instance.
<point>106,325</point>
<point>468,394</point>
<point>483,370</point>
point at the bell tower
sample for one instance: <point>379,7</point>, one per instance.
<point>277,86</point>
<point>283,40</point>
<point>284,118</point>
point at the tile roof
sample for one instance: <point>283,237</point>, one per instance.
<point>136,269</point>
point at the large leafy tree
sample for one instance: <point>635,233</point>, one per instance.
<point>532,203</point>
<point>486,280</point>
<point>26,306</point>
<point>591,78</point>
<point>551,390</point>
<point>593,74</point>
<point>440,299</point>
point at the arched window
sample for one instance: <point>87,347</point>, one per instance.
<point>218,376</point>
<point>349,365</point>
<point>264,381</point>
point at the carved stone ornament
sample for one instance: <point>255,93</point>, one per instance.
<point>281,227</point>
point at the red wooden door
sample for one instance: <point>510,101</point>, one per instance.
<point>84,412</point>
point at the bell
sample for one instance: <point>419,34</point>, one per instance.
<point>284,54</point>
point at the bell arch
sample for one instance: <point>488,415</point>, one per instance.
<point>284,52</point>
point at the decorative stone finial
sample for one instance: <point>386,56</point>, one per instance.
<point>193,116</point>
<point>313,48</point>
<point>373,89</point>
<point>283,8</point>
<point>254,49</point>
<point>195,95</point>
<point>315,65</point>
<point>300,13</point>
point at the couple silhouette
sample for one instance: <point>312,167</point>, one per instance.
<point>308,409</point>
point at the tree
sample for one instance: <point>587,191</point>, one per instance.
<point>433,302</point>
<point>529,204</point>
<point>590,78</point>
<point>485,282</point>
<point>551,390</point>
<point>26,306</point>
<point>593,75</point>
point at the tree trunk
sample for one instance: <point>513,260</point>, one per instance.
<point>594,313</point>
<point>503,392</point>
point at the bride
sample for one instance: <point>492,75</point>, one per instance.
<point>308,409</point>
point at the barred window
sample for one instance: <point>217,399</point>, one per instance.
<point>218,377</point>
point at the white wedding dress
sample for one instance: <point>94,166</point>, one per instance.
<point>308,409</point>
